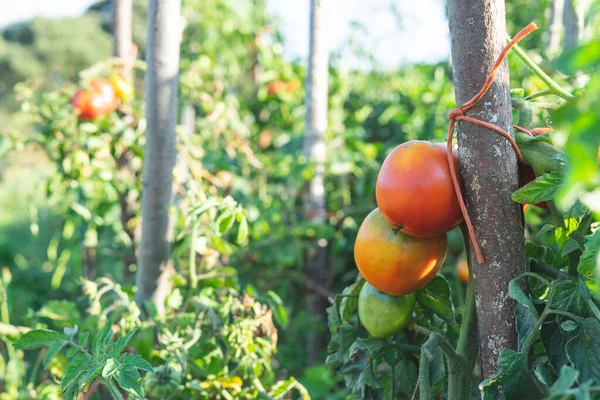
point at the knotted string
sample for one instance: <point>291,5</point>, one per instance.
<point>458,114</point>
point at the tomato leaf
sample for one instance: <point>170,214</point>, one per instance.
<point>517,381</point>
<point>543,188</point>
<point>128,378</point>
<point>583,350</point>
<point>572,296</point>
<point>526,314</point>
<point>348,304</point>
<point>52,352</point>
<point>437,297</point>
<point>568,376</point>
<point>589,259</point>
<point>38,338</point>
<point>554,341</point>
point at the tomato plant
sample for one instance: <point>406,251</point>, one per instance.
<point>383,315</point>
<point>393,262</point>
<point>414,189</point>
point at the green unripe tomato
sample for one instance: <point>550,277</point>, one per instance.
<point>383,315</point>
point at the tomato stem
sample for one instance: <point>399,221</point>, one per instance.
<point>553,87</point>
<point>468,343</point>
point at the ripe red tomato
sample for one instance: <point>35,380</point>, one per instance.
<point>526,175</point>
<point>414,189</point>
<point>383,315</point>
<point>89,104</point>
<point>395,263</point>
<point>107,90</point>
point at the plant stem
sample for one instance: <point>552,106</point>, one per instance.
<point>537,94</point>
<point>553,87</point>
<point>113,390</point>
<point>193,275</point>
<point>468,343</point>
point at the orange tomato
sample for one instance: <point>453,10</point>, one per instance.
<point>89,104</point>
<point>462,270</point>
<point>292,86</point>
<point>107,90</point>
<point>414,189</point>
<point>395,263</point>
<point>276,87</point>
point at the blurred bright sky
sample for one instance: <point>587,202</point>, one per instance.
<point>420,36</point>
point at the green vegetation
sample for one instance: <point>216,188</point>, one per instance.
<point>235,323</point>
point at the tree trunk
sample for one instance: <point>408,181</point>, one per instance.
<point>573,20</point>
<point>488,167</point>
<point>314,196</point>
<point>122,27</point>
<point>162,57</point>
<point>122,32</point>
<point>556,26</point>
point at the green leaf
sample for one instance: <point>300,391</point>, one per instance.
<point>242,235</point>
<point>60,310</point>
<point>583,350</point>
<point>570,246</point>
<point>128,379</point>
<point>71,331</point>
<point>93,371</point>
<point>76,368</point>
<point>102,338</point>
<point>543,188</point>
<point>569,326</point>
<point>568,376</point>
<point>137,361</point>
<point>587,263</point>
<point>120,344</point>
<point>174,299</point>
<point>280,313</point>
<point>580,58</point>
<point>38,338</point>
<point>111,366</point>
<point>571,296</point>
<point>436,297</point>
<point>52,352</point>
<point>225,222</point>
<point>348,305</point>
<point>554,342</point>
<point>516,380</point>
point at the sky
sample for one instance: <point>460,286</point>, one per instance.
<point>420,34</point>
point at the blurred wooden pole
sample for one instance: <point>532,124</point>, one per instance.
<point>122,27</point>
<point>162,78</point>
<point>314,196</point>
<point>488,166</point>
<point>556,27</point>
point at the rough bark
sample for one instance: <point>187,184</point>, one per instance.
<point>489,170</point>
<point>122,27</point>
<point>573,21</point>
<point>315,152</point>
<point>162,57</point>
<point>556,26</point>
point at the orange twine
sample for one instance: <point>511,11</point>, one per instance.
<point>458,114</point>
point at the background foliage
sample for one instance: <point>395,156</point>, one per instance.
<point>236,321</point>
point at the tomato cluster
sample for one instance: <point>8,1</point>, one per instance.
<point>402,244</point>
<point>100,97</point>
